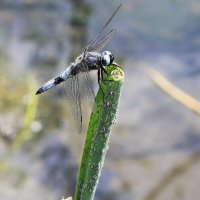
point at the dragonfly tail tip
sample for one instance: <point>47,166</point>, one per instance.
<point>39,91</point>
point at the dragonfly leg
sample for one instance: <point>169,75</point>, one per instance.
<point>104,70</point>
<point>100,80</point>
<point>99,76</point>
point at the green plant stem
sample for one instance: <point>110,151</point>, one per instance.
<point>96,144</point>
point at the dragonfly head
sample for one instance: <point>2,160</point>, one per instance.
<point>107,58</point>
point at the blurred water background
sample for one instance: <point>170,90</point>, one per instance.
<point>155,145</point>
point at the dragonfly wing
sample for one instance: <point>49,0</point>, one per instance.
<point>103,41</point>
<point>72,89</point>
<point>86,87</point>
<point>92,41</point>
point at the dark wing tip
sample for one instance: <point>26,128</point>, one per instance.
<point>39,91</point>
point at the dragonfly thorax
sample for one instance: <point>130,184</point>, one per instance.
<point>107,58</point>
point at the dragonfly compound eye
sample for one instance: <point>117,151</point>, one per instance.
<point>107,58</point>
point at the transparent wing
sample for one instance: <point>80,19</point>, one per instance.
<point>92,41</point>
<point>76,87</point>
<point>86,84</point>
<point>103,41</point>
<point>72,89</point>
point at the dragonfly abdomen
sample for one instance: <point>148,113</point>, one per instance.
<point>55,81</point>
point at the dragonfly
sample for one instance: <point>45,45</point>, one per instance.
<point>76,77</point>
